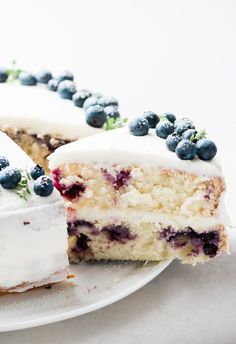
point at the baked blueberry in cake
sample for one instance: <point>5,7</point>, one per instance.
<point>152,191</point>
<point>33,244</point>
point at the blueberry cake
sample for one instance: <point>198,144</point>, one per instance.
<point>33,245</point>
<point>131,195</point>
<point>41,113</point>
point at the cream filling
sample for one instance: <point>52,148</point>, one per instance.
<point>178,222</point>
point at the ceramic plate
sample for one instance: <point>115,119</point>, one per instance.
<point>95,285</point>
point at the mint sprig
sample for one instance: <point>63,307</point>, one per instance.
<point>13,72</point>
<point>22,188</point>
<point>200,135</point>
<point>114,123</point>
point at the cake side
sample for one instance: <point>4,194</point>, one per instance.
<point>33,224</point>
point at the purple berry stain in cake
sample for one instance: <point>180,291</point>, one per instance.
<point>207,242</point>
<point>73,227</point>
<point>82,242</point>
<point>120,179</point>
<point>118,233</point>
<point>70,192</point>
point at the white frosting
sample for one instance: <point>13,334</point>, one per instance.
<point>120,147</point>
<point>178,222</point>
<point>33,238</point>
<point>38,110</point>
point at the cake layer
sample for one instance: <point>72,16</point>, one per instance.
<point>151,189</point>
<point>117,239</point>
<point>33,238</point>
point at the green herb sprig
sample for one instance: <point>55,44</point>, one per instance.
<point>114,123</point>
<point>200,135</point>
<point>22,188</point>
<point>13,72</point>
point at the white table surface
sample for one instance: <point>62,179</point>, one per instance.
<point>177,56</point>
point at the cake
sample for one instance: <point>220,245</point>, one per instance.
<point>33,238</point>
<point>41,113</point>
<point>129,197</point>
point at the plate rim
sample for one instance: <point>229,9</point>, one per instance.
<point>70,314</point>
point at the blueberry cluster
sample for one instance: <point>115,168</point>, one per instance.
<point>98,108</point>
<point>13,178</point>
<point>180,135</point>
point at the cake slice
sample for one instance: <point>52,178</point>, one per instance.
<point>130,198</point>
<point>33,237</point>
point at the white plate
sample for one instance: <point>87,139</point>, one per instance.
<point>96,285</point>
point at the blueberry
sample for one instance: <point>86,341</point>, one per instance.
<point>182,125</point>
<point>210,249</point>
<point>139,127</point>
<point>66,89</point>
<point>164,128</point>
<point>152,118</point>
<point>170,116</point>
<point>206,149</point>
<point>106,101</point>
<point>80,97</point>
<point>91,101</point>
<point>3,74</point>
<point>112,111</point>
<point>27,79</point>
<point>36,171</point>
<point>172,141</point>
<point>95,116</point>
<point>43,186</point>
<point>186,150</point>
<point>53,85</point>
<point>97,95</point>
<point>65,76</point>
<point>43,76</point>
<point>10,177</point>
<point>3,162</point>
<point>189,133</point>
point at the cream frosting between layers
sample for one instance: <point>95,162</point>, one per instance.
<point>33,238</point>
<point>120,147</point>
<point>40,111</point>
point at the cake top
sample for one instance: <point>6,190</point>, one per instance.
<point>40,111</point>
<point>120,147</point>
<point>22,183</point>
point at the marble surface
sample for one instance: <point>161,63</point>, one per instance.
<point>175,55</point>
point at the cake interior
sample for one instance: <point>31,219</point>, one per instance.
<point>140,213</point>
<point>38,147</point>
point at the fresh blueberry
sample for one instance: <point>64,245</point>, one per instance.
<point>53,85</point>
<point>43,186</point>
<point>106,101</point>
<point>182,125</point>
<point>65,76</point>
<point>27,79</point>
<point>3,74</point>
<point>95,116</point>
<point>206,149</point>
<point>36,171</point>
<point>164,128</point>
<point>91,101</point>
<point>139,127</point>
<point>172,141</point>
<point>66,89</point>
<point>189,133</point>
<point>80,97</point>
<point>152,118</point>
<point>112,111</point>
<point>186,150</point>
<point>43,76</point>
<point>170,116</point>
<point>10,177</point>
<point>3,162</point>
